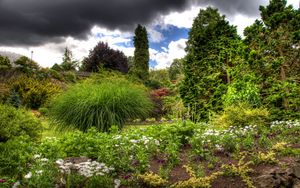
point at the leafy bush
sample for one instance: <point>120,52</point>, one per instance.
<point>241,115</point>
<point>15,155</point>
<point>17,122</point>
<point>174,108</point>
<point>102,105</point>
<point>241,91</point>
<point>4,63</point>
<point>33,92</point>
<point>157,97</point>
<point>70,76</point>
<point>56,74</point>
<point>27,66</point>
<point>14,99</point>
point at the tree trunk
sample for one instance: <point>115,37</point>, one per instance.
<point>285,101</point>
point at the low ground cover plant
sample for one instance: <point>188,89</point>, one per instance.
<point>129,157</point>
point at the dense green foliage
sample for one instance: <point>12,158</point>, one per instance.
<point>273,57</point>
<point>158,79</point>
<point>101,105</point>
<point>68,62</point>
<point>102,56</point>
<point>27,66</point>
<point>4,63</point>
<point>32,92</point>
<point>234,90</point>
<point>241,115</point>
<point>17,122</point>
<point>140,67</point>
<point>262,70</point>
<point>15,156</point>
<point>211,51</point>
<point>176,69</point>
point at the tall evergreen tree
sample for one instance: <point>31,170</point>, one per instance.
<point>140,68</point>
<point>274,56</point>
<point>68,63</point>
<point>211,51</point>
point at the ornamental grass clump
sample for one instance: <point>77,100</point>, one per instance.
<point>100,104</point>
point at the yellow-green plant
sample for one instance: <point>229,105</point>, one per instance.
<point>152,179</point>
<point>242,169</point>
<point>279,146</point>
<point>241,115</point>
<point>33,92</point>
<point>268,158</point>
<point>196,182</point>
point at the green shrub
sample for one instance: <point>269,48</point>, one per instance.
<point>15,155</point>
<point>241,115</point>
<point>43,111</point>
<point>56,74</point>
<point>70,76</point>
<point>110,102</point>
<point>14,99</point>
<point>17,122</point>
<point>174,107</point>
<point>34,93</point>
<point>242,91</point>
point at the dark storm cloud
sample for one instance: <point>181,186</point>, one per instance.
<point>231,7</point>
<point>33,22</point>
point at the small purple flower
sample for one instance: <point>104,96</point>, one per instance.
<point>126,177</point>
<point>2,181</point>
<point>160,161</point>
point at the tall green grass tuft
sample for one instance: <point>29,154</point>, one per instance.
<point>100,104</point>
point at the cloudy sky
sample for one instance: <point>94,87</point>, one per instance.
<point>46,27</point>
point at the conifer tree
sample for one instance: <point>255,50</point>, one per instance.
<point>140,68</point>
<point>211,50</point>
<point>274,57</point>
<point>68,63</point>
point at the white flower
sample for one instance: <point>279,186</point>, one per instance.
<point>100,174</point>
<point>117,183</point>
<point>39,172</point>
<point>117,137</point>
<point>17,184</point>
<point>106,170</point>
<point>133,141</point>
<point>36,156</point>
<point>59,161</point>
<point>44,160</point>
<point>28,176</point>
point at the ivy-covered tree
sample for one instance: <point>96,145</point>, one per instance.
<point>102,56</point>
<point>274,57</point>
<point>211,52</point>
<point>140,68</point>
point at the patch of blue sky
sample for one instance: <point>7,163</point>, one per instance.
<point>170,33</point>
